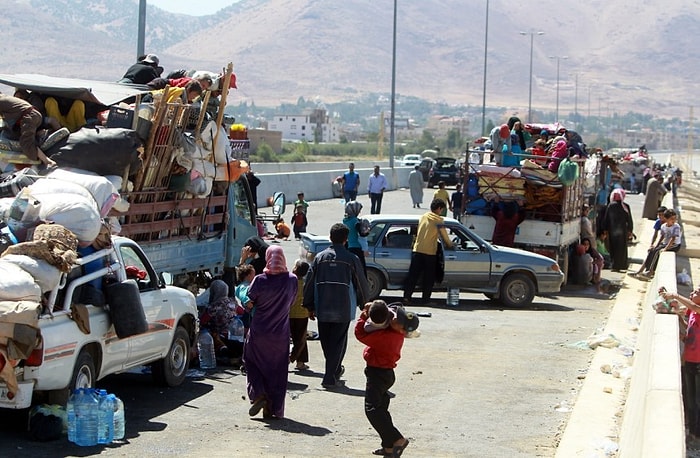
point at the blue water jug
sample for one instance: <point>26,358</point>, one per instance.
<point>105,418</point>
<point>86,418</point>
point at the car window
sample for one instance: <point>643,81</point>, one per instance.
<point>374,234</point>
<point>461,239</point>
<point>400,236</point>
<point>142,275</point>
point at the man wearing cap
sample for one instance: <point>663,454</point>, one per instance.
<point>144,71</point>
<point>500,138</point>
<point>335,286</point>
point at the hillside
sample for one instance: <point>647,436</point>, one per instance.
<point>626,55</point>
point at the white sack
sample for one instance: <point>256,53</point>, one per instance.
<point>45,275</point>
<point>16,284</point>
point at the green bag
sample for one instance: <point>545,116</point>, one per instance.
<point>568,172</point>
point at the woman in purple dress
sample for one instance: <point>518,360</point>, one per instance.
<point>266,350</point>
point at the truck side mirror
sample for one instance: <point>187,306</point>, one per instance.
<point>278,203</point>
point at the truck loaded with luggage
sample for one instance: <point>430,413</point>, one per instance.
<point>144,193</point>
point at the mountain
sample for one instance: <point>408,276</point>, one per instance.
<point>627,55</point>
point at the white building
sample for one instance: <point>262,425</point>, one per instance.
<point>315,127</point>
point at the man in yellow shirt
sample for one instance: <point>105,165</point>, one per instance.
<point>424,257</point>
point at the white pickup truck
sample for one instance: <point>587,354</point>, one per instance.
<point>69,358</point>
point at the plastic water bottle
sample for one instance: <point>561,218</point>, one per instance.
<point>236,330</point>
<point>86,419</point>
<point>205,345</point>
<point>119,421</point>
<point>105,416</point>
<point>70,412</point>
<point>453,297</point>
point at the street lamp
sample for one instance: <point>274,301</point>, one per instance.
<point>392,137</point>
<point>486,48</point>
<point>529,98</point>
<point>558,58</point>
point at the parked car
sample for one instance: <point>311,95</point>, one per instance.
<point>411,160</point>
<point>509,275</point>
<point>444,169</point>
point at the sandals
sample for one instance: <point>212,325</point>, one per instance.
<point>257,406</point>
<point>303,367</point>
<point>395,452</point>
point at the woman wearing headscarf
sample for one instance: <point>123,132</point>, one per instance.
<point>217,317</point>
<point>617,222</point>
<point>266,350</point>
<point>357,244</point>
<point>655,193</point>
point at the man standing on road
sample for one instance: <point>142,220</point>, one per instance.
<point>351,183</point>
<point>375,189</point>
<point>424,256</point>
<point>335,286</point>
<point>415,184</point>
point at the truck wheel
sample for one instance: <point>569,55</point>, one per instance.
<point>172,369</point>
<point>84,375</point>
<point>517,290</point>
<point>376,283</point>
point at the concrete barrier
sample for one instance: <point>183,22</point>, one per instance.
<point>316,179</point>
<point>652,423</point>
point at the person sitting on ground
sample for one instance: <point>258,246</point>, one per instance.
<point>283,229</point>
<point>217,317</point>
<point>145,70</point>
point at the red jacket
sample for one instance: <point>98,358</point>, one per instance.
<point>383,348</point>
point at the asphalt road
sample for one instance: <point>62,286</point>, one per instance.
<point>481,381</point>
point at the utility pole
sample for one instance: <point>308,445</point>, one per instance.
<point>486,49</point>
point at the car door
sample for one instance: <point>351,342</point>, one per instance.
<point>393,250</point>
<point>144,347</point>
<point>468,263</point>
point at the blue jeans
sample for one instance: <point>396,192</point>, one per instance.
<point>349,195</point>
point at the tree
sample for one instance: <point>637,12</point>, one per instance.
<point>266,154</point>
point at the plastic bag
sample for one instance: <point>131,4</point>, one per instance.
<point>568,172</point>
<point>683,278</point>
<point>47,422</point>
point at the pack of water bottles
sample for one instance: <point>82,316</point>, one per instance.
<point>94,417</point>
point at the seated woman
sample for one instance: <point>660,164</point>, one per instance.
<point>217,317</point>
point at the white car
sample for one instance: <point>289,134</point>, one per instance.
<point>411,160</point>
<point>68,359</point>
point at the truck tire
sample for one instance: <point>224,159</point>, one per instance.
<point>563,262</point>
<point>84,375</point>
<point>376,283</point>
<point>172,370</point>
<point>517,290</point>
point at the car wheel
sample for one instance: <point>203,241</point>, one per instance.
<point>517,290</point>
<point>376,283</point>
<point>172,369</point>
<point>84,375</point>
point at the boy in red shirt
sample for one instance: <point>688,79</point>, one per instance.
<point>382,329</point>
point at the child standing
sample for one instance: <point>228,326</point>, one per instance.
<point>441,194</point>
<point>456,202</point>
<point>299,320</point>
<point>382,352</point>
<point>299,221</point>
<point>300,201</point>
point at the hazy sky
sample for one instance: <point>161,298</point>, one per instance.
<point>191,7</point>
